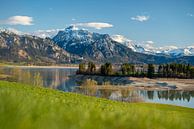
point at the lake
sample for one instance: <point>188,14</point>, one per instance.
<point>63,79</point>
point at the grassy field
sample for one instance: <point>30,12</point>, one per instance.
<point>27,107</point>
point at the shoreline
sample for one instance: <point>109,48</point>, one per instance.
<point>143,83</point>
<point>174,84</point>
<point>135,82</point>
<point>35,66</point>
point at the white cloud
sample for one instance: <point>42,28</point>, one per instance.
<point>140,18</point>
<point>18,20</point>
<point>96,25</point>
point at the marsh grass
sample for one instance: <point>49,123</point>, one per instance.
<point>27,107</point>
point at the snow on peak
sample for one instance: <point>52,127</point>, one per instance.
<point>84,36</point>
<point>72,35</point>
<point>120,38</point>
<point>123,40</point>
<point>148,47</point>
<point>11,30</point>
<point>72,28</point>
<point>187,52</point>
<point>46,33</point>
<point>190,47</point>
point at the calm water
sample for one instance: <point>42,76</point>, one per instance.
<point>56,78</point>
<point>62,79</point>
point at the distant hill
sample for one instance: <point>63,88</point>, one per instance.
<point>26,48</point>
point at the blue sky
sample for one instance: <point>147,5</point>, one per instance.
<point>165,22</point>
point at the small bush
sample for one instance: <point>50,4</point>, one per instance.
<point>89,82</point>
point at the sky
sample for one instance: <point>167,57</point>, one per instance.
<point>164,22</point>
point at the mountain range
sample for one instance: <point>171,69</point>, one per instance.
<point>148,48</point>
<point>73,45</point>
<point>145,47</point>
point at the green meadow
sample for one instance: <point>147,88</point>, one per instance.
<point>27,107</point>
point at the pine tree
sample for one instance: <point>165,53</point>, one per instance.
<point>160,71</point>
<point>106,69</point>
<point>126,69</point>
<point>192,72</point>
<point>91,68</point>
<point>151,71</point>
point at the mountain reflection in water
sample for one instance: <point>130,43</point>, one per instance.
<point>137,95</point>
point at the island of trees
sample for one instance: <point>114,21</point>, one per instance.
<point>172,70</point>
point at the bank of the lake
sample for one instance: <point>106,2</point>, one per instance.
<point>141,83</point>
<point>27,107</point>
<point>43,66</point>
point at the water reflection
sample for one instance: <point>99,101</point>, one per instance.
<point>137,95</point>
<point>56,78</point>
<point>63,79</point>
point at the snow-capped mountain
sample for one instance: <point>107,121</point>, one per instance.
<point>74,45</point>
<point>145,47</point>
<point>124,41</point>
<point>148,48</point>
<point>102,48</point>
<point>39,33</point>
<point>99,47</point>
<point>82,36</point>
<point>46,33</point>
<point>188,51</point>
<point>87,44</point>
<point>11,30</point>
<point>74,36</point>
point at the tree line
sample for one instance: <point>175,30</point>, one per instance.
<point>172,70</point>
<point>176,71</point>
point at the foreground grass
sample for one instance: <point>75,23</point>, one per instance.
<point>26,107</point>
